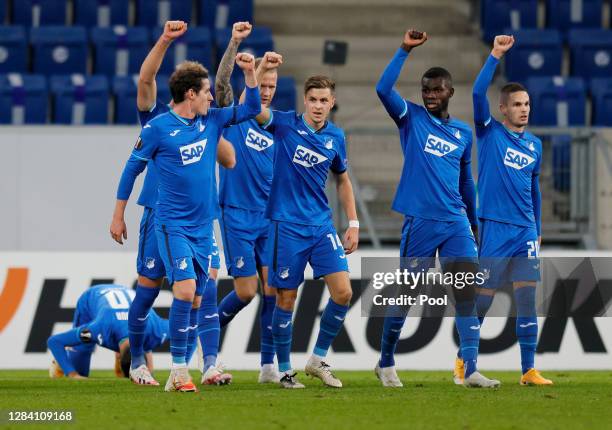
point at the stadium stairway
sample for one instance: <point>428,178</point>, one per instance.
<point>373,31</point>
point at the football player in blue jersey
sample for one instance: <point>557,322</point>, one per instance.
<point>149,263</point>
<point>437,196</point>
<point>306,148</point>
<point>243,195</point>
<point>509,159</point>
<point>100,318</point>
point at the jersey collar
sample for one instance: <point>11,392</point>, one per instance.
<point>312,129</point>
<point>183,120</point>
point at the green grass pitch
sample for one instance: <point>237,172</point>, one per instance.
<point>429,400</point>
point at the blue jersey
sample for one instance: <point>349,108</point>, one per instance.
<point>148,194</point>
<point>184,153</point>
<point>247,186</point>
<point>508,163</point>
<point>302,160</point>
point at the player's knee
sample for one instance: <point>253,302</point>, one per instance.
<point>197,301</point>
<point>213,273</point>
<point>343,296</point>
<point>285,299</point>
<point>246,288</point>
<point>143,281</point>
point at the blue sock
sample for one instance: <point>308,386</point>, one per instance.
<point>526,325</point>
<point>139,309</point>
<point>267,340</point>
<point>391,333</point>
<point>179,328</point>
<point>208,324</point>
<point>193,334</point>
<point>281,331</point>
<point>229,307</point>
<point>331,322</point>
<point>483,303</point>
<point>468,327</point>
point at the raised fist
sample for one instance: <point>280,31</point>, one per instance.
<point>414,38</point>
<point>271,60</point>
<point>174,29</point>
<point>241,30</point>
<point>502,44</point>
<point>245,61</point>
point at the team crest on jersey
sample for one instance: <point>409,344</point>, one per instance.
<point>517,160</point>
<point>438,147</point>
<point>192,153</point>
<point>329,143</point>
<point>150,263</point>
<point>257,141</point>
<point>283,272</point>
<point>306,157</point>
<point>239,262</point>
<point>181,263</point>
<point>531,146</point>
<point>458,134</point>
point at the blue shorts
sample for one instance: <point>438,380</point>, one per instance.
<point>508,252</point>
<point>82,314</point>
<point>148,263</point>
<point>185,251</point>
<point>215,258</point>
<point>291,246</point>
<point>421,238</point>
<point>245,233</point>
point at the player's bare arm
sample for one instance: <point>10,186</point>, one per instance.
<point>226,155</point>
<point>224,94</point>
<point>501,45</point>
<point>147,89</point>
<point>118,229</point>
<point>344,188</point>
<point>270,61</point>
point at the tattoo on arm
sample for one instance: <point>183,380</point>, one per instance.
<point>223,88</point>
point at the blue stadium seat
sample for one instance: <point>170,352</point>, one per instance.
<point>2,11</point>
<point>13,50</point>
<point>124,89</point>
<point>23,99</point>
<point>259,41</point>
<point>196,45</point>
<point>562,148</point>
<point>101,13</point>
<point>601,94</point>
<point>79,99</point>
<point>566,14</point>
<point>119,50</point>
<point>557,101</point>
<point>591,53</point>
<point>34,13</point>
<point>285,96</point>
<point>154,13</point>
<point>59,50</point>
<point>535,53</point>
<point>500,14</point>
<point>219,14</point>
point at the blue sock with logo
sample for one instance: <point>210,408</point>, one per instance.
<point>267,339</point>
<point>209,329</point>
<point>137,323</point>
<point>483,303</point>
<point>468,326</point>
<point>193,334</point>
<point>229,307</point>
<point>282,331</point>
<point>391,333</point>
<point>331,322</point>
<point>526,325</point>
<point>179,328</point>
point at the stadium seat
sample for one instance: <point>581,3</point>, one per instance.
<point>562,148</point>
<point>285,96</point>
<point>535,53</point>
<point>119,50</point>
<point>59,50</point>
<point>219,14</point>
<point>124,90</point>
<point>591,53</point>
<point>2,11</point>
<point>514,14</point>
<point>601,94</point>
<point>566,14</point>
<point>101,13</point>
<point>196,45</point>
<point>258,43</point>
<point>79,99</point>
<point>154,13</point>
<point>34,13</point>
<point>13,50</point>
<point>557,101</point>
<point>23,99</point>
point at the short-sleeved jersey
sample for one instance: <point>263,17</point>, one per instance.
<point>247,186</point>
<point>507,161</point>
<point>302,160</point>
<point>148,194</point>
<point>434,151</point>
<point>184,154</point>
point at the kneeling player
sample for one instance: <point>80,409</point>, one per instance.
<point>100,318</point>
<point>306,147</point>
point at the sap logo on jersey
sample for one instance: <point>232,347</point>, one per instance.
<point>306,157</point>
<point>438,147</point>
<point>192,153</point>
<point>517,160</point>
<point>258,141</point>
